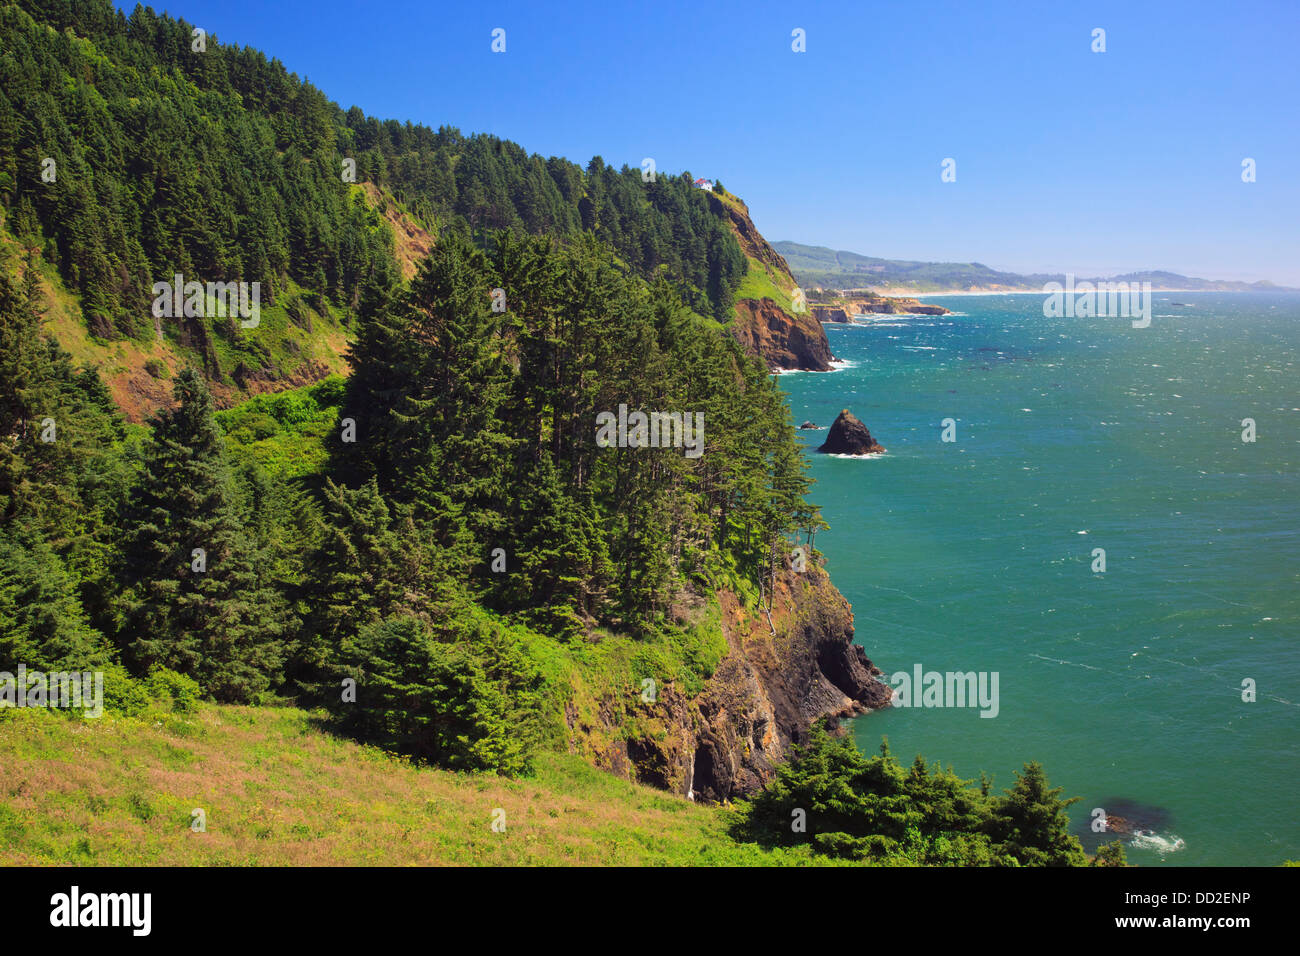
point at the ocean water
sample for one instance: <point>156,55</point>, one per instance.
<point>977,555</point>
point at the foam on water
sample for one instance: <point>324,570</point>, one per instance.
<point>1157,843</point>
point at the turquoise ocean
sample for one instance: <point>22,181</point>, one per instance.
<point>1073,434</point>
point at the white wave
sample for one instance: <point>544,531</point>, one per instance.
<point>837,365</point>
<point>1148,840</point>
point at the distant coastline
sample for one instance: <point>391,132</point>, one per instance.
<point>927,295</point>
<point>849,273</point>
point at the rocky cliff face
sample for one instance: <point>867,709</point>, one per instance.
<point>829,313</point>
<point>751,240</point>
<point>768,690</point>
<point>783,340</point>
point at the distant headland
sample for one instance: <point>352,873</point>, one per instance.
<point>851,274</point>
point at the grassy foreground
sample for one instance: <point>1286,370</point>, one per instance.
<point>278,790</point>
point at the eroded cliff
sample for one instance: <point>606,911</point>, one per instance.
<point>843,310</point>
<point>772,325</point>
<point>774,682</point>
<point>782,339</point>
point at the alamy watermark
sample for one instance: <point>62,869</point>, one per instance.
<point>651,430</point>
<point>67,690</point>
<point>177,298</point>
<point>1129,300</point>
<point>130,910</point>
<point>923,688</point>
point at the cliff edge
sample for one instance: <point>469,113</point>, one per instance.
<point>775,681</point>
<point>768,321</point>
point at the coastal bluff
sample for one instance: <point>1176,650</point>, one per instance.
<point>783,671</point>
<point>843,310</point>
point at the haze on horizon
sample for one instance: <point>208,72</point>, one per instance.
<point>1067,160</point>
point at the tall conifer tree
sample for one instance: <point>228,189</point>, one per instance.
<point>196,601</point>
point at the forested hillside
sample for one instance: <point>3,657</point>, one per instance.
<point>550,508</point>
<point>460,537</point>
<point>459,487</point>
<point>219,163</point>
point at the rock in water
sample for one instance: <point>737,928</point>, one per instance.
<point>848,436</point>
<point>810,425</point>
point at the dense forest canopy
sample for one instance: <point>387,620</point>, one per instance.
<point>221,165</point>
<point>463,431</point>
<point>463,508</point>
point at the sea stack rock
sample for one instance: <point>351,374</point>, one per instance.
<point>848,436</point>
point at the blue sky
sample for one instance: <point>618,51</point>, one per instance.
<point>1066,160</point>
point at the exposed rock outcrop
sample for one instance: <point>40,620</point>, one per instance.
<point>751,240</point>
<point>843,310</point>
<point>827,313</point>
<point>848,436</point>
<point>769,689</point>
<point>783,340</point>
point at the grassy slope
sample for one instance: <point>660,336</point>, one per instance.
<point>295,355</point>
<point>278,790</point>
<point>760,281</point>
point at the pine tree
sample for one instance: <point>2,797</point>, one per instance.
<point>558,568</point>
<point>439,701</point>
<point>61,472</point>
<point>42,622</point>
<point>430,378</point>
<point>197,602</point>
<point>1031,825</point>
<point>367,565</point>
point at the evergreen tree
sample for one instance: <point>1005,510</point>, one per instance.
<point>61,471</point>
<point>367,565</point>
<point>197,601</point>
<point>438,701</point>
<point>1111,854</point>
<point>558,569</point>
<point>42,622</point>
<point>430,379</point>
<point>1031,824</point>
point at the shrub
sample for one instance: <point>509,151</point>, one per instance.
<point>179,692</point>
<point>860,807</point>
<point>123,694</point>
<point>1112,854</point>
<point>463,706</point>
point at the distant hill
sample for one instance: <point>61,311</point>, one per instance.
<point>815,266</point>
